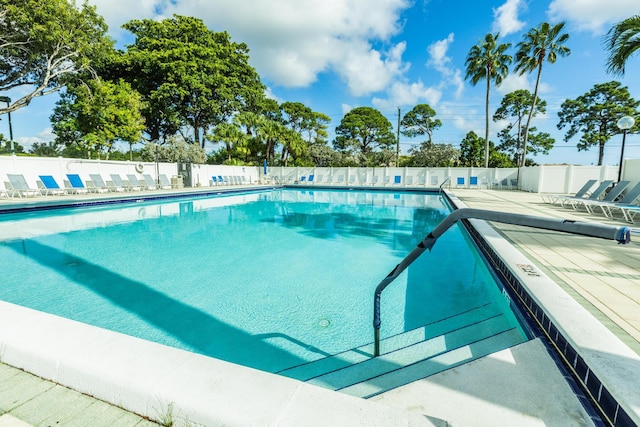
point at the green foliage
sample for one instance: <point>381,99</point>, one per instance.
<point>189,75</point>
<point>488,61</point>
<point>594,115</point>
<point>44,43</point>
<point>543,43</point>
<point>472,150</point>
<point>433,155</point>
<point>96,114</point>
<point>515,106</point>
<point>234,139</point>
<point>5,146</point>
<point>46,149</point>
<point>174,150</point>
<point>363,131</point>
<point>419,121</point>
<point>622,41</point>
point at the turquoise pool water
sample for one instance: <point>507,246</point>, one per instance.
<point>265,279</point>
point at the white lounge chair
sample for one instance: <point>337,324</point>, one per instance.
<point>582,192</point>
<point>164,182</point>
<point>20,187</point>
<point>97,184</point>
<point>150,182</point>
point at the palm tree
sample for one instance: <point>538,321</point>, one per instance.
<point>231,135</point>
<point>622,41</point>
<point>488,60</point>
<point>544,42</point>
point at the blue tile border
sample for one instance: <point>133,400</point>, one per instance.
<point>597,400</point>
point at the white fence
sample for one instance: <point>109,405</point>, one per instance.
<point>539,179</point>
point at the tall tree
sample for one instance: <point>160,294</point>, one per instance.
<point>420,121</point>
<point>514,107</point>
<point>540,44</point>
<point>364,130</point>
<point>595,114</point>
<point>488,61</point>
<point>232,137</point>
<point>622,41</point>
<point>42,43</point>
<point>471,150</point>
<point>433,155</point>
<point>187,71</point>
<point>95,114</point>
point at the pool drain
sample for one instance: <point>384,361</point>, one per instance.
<point>324,323</point>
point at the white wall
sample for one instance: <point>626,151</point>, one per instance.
<point>540,179</point>
<point>59,167</point>
<point>631,170</point>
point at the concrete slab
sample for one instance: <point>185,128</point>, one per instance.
<point>8,420</point>
<point>520,386</point>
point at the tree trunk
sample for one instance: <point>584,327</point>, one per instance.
<point>533,106</point>
<point>486,123</point>
<point>601,154</point>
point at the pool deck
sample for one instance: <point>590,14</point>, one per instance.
<point>601,276</point>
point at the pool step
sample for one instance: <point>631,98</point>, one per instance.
<point>413,354</point>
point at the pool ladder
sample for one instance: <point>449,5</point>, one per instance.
<point>603,231</point>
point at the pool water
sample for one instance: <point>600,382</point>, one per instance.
<point>265,279</point>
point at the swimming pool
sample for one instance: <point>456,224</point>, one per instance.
<point>266,279</point>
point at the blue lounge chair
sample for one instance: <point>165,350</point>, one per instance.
<point>49,186</point>
<point>473,181</point>
<point>74,185</point>
<point>311,178</point>
<point>397,179</point>
<point>460,181</point>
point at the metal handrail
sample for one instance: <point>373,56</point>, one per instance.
<point>603,231</point>
<point>444,182</point>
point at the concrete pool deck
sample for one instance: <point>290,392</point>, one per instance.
<point>602,276</point>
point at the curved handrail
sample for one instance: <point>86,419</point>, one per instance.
<point>603,231</point>
<point>447,179</point>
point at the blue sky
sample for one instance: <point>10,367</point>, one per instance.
<point>334,55</point>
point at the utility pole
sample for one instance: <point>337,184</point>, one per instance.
<point>398,141</point>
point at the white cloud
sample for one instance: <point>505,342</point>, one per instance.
<point>514,82</point>
<point>592,15</point>
<point>367,71</point>
<point>292,41</point>
<point>439,60</point>
<point>463,117</point>
<point>506,18</point>
<point>44,136</point>
<point>118,12</point>
<point>404,93</point>
<point>346,108</point>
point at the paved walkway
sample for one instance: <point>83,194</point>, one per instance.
<point>602,275</point>
<point>26,400</point>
